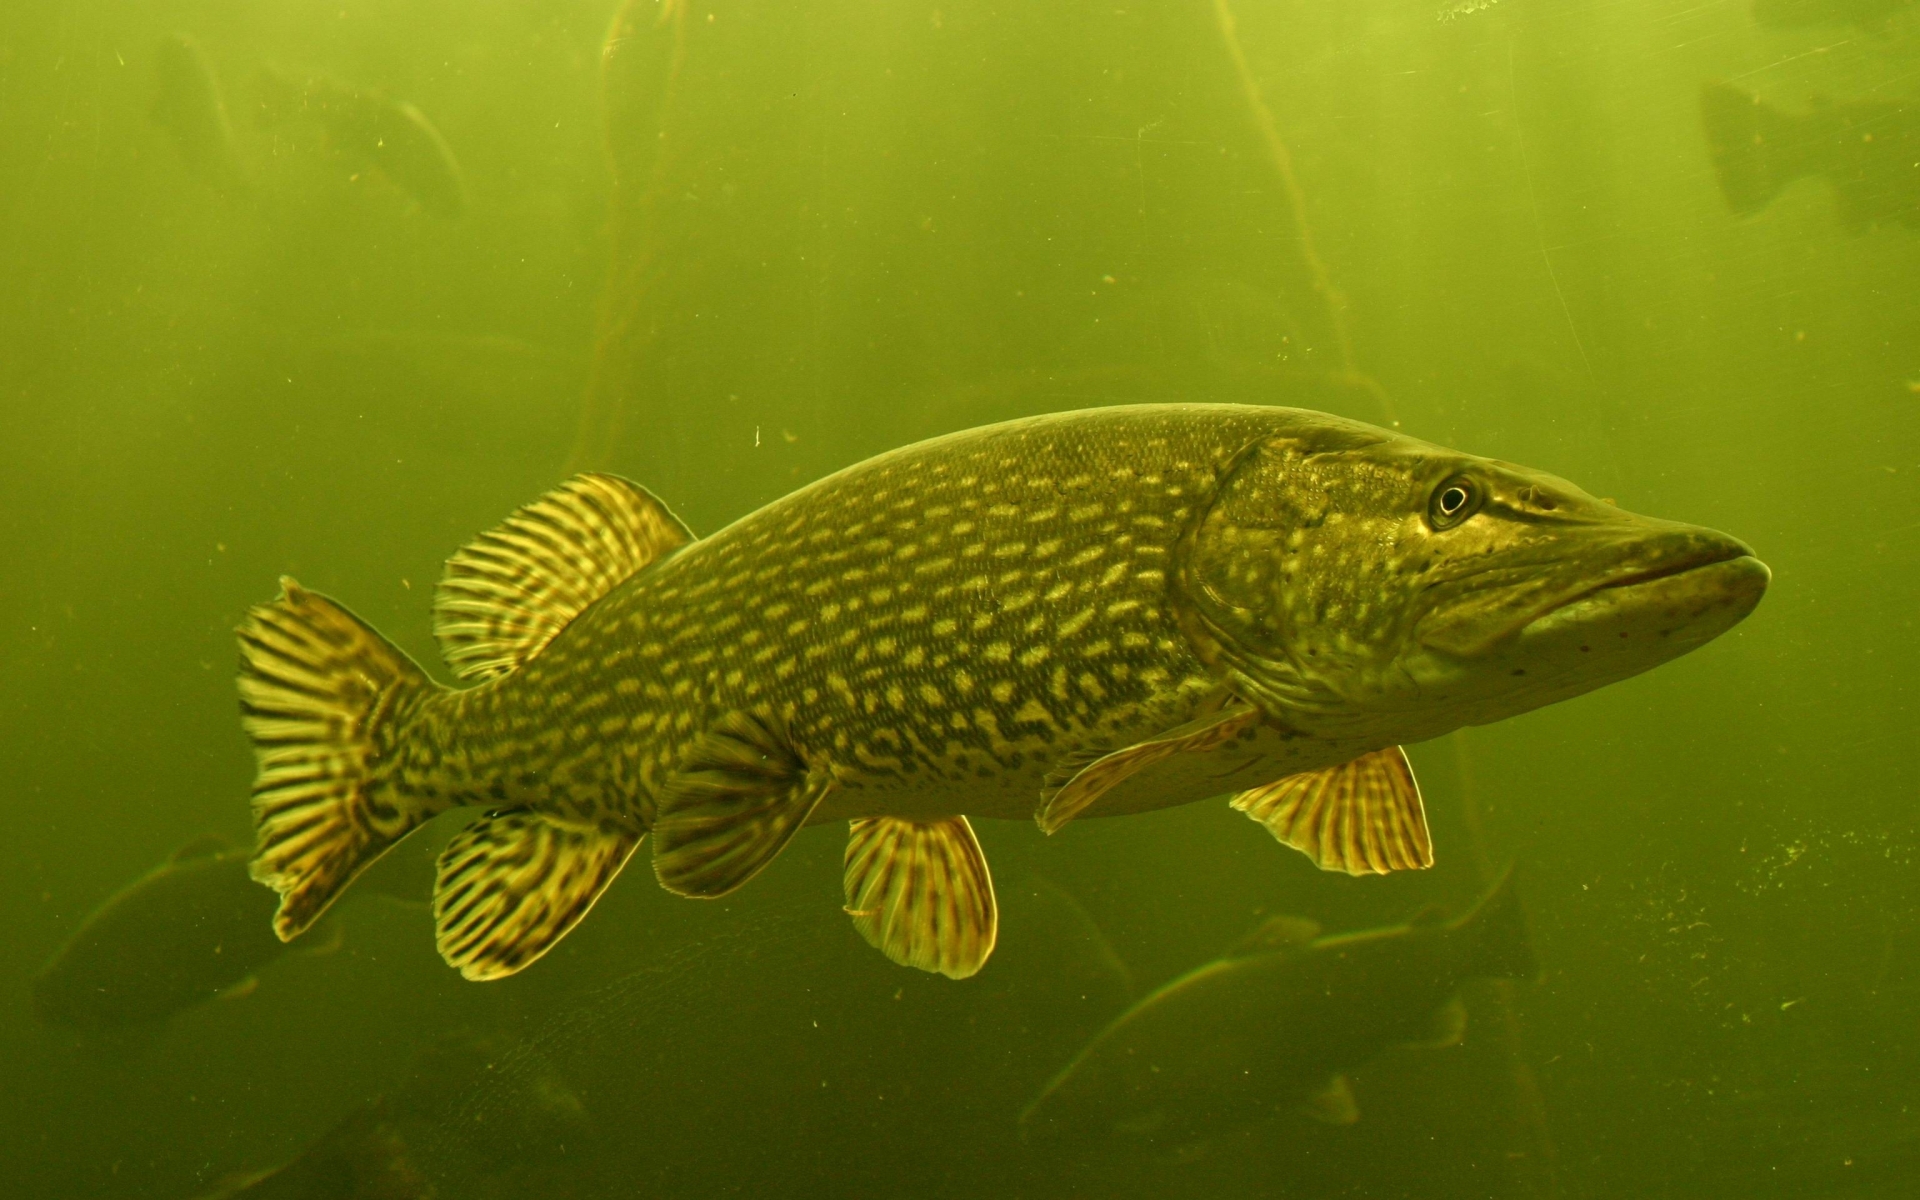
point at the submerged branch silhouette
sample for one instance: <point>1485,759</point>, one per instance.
<point>1311,268</point>
<point>1539,1173</point>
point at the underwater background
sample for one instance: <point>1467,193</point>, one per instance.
<point>724,248</point>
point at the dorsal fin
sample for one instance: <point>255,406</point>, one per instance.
<point>510,590</point>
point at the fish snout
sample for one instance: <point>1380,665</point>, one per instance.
<point>1672,559</point>
<point>1666,592</point>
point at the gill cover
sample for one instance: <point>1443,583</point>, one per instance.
<point>1282,582</point>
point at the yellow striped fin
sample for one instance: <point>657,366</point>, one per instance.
<point>512,885</point>
<point>1363,817</point>
<point>920,893</point>
<point>323,698</point>
<point>509,591</point>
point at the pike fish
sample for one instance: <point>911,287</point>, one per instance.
<point>479,1114</point>
<point>374,130</point>
<point>1098,612</point>
<point>191,106</point>
<point>193,928</point>
<point>1867,150</point>
<point>1276,1024</point>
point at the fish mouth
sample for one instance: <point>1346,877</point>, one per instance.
<point>1686,566</point>
<point>1720,567</point>
<point>1705,556</point>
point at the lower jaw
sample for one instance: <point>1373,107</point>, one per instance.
<point>1534,673</point>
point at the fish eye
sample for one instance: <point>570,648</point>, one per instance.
<point>1453,502</point>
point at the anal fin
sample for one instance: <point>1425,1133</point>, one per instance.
<point>733,805</point>
<point>1067,798</point>
<point>512,885</point>
<point>920,893</point>
<point>1363,817</point>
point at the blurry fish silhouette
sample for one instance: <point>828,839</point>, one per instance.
<point>1868,150</point>
<point>374,131</point>
<point>1866,14</point>
<point>364,1157</point>
<point>189,104</point>
<point>430,1130</point>
<point>1276,1024</point>
<point>185,932</point>
<point>1094,956</point>
<point>181,934</point>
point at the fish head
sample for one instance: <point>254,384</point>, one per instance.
<point>1355,582</point>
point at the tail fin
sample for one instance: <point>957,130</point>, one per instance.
<point>1757,150</point>
<point>1495,933</point>
<point>322,696</point>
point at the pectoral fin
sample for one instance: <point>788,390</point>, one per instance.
<point>330,942</point>
<point>1363,817</point>
<point>736,802</point>
<point>1334,1104</point>
<point>920,893</point>
<point>1449,1026</point>
<point>1073,787</point>
<point>511,886</point>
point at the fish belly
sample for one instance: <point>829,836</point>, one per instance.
<point>1270,754</point>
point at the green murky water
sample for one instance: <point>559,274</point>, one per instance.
<point>258,316</point>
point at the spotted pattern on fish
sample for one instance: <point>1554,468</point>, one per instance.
<point>936,628</point>
<point>1098,612</point>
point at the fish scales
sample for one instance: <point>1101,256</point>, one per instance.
<point>936,626</point>
<point>1100,612</point>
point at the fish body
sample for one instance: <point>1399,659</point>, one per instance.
<point>1274,1027</point>
<point>1867,150</point>
<point>364,1156</point>
<point>191,106</point>
<point>376,131</point>
<point>191,929</point>
<point>943,625</point>
<point>1098,612</point>
<point>478,1114</point>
